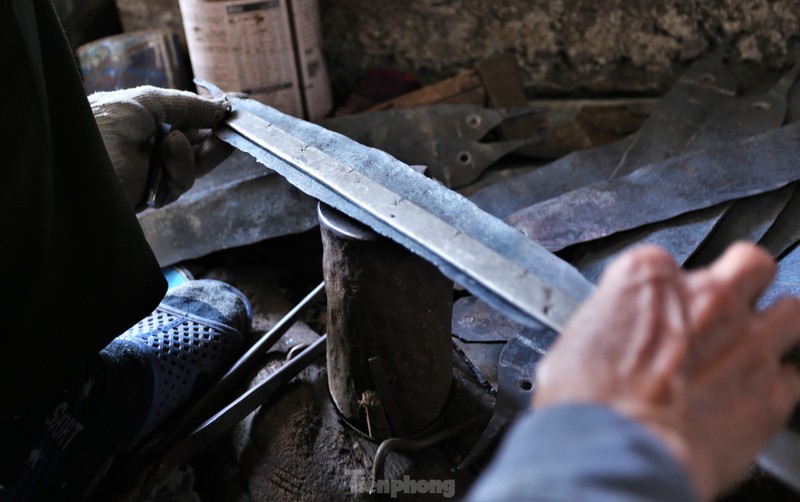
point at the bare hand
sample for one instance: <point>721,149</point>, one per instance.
<point>685,354</point>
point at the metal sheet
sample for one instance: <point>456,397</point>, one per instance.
<point>445,138</point>
<point>679,236</point>
<point>421,123</point>
<point>515,386</point>
<point>474,321</point>
<point>455,162</point>
<point>236,204</point>
<point>680,113</point>
<point>661,191</point>
<point>575,170</point>
<point>746,219</point>
<point>785,232</point>
<point>482,359</point>
<point>733,119</point>
<point>505,88</point>
<point>746,115</point>
<point>481,253</point>
<point>672,122</point>
<point>787,280</point>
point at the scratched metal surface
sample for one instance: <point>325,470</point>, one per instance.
<point>426,193</point>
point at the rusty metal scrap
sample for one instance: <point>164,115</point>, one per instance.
<point>515,386</point>
<point>787,280</point>
<point>575,170</point>
<point>238,203</point>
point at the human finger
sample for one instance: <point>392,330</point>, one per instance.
<point>641,264</point>
<point>745,269</point>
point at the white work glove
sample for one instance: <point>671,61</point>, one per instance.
<point>129,120</point>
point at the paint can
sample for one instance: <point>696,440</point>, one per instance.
<point>147,57</point>
<point>268,49</point>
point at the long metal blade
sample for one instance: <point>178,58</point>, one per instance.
<point>476,250</point>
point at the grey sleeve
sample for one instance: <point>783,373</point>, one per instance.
<point>582,452</point>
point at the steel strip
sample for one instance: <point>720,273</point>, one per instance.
<point>502,277</point>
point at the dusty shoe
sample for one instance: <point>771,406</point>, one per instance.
<point>136,383</point>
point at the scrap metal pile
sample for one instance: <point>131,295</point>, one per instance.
<point>708,167</point>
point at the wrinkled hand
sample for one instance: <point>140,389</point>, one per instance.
<point>685,354</point>
<point>128,120</point>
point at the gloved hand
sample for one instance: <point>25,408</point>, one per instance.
<point>129,119</point>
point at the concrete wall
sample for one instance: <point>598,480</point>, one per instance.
<point>586,47</point>
<point>563,46</point>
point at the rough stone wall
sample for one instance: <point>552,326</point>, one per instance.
<point>563,46</point>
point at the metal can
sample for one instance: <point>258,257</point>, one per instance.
<point>269,49</point>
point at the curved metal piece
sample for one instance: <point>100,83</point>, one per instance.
<point>516,384</point>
